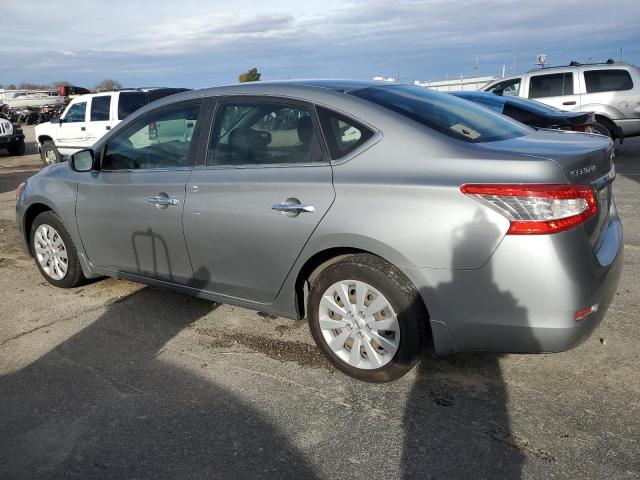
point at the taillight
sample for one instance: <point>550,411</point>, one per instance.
<point>536,209</point>
<point>20,189</point>
<point>581,128</point>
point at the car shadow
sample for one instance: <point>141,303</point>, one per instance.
<point>456,419</point>
<point>109,403</point>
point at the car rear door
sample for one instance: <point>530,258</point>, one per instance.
<point>99,122</point>
<point>252,205</point>
<point>129,213</point>
<point>558,88</point>
<point>71,132</point>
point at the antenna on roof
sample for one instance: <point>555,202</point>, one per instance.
<point>610,61</point>
<point>574,63</point>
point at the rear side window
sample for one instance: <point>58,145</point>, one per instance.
<point>130,102</point>
<point>262,134</point>
<point>607,80</point>
<point>445,113</point>
<point>100,107</point>
<point>343,134</point>
<point>553,85</point>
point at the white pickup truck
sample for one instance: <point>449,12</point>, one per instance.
<point>88,117</point>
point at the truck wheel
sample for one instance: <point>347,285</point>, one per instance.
<point>16,150</point>
<point>49,153</point>
<point>602,129</point>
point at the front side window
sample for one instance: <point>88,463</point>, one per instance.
<point>76,113</point>
<point>508,87</point>
<point>247,133</point>
<point>100,107</point>
<point>553,85</point>
<point>159,139</point>
<point>343,134</point>
<point>444,113</point>
<point>607,80</point>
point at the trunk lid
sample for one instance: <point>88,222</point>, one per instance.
<point>585,159</point>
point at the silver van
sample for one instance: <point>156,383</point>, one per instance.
<point>611,90</point>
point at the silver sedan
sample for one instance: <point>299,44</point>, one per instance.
<point>390,216</point>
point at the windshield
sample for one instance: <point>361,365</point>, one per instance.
<point>447,114</point>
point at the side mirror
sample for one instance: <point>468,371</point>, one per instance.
<point>82,161</point>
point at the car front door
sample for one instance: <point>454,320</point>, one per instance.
<point>99,118</point>
<point>129,212</point>
<point>558,89</point>
<point>254,203</point>
<point>72,129</point>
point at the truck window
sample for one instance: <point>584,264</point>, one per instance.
<point>607,80</point>
<point>100,108</point>
<point>130,102</point>
<point>552,85</point>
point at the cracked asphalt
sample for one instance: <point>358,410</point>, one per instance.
<point>117,380</point>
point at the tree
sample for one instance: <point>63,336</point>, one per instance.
<point>107,84</point>
<point>250,76</point>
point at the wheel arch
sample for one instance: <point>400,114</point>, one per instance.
<point>324,258</point>
<point>610,124</point>
<point>30,215</point>
<point>44,138</point>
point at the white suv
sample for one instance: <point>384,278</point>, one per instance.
<point>611,90</point>
<point>88,117</point>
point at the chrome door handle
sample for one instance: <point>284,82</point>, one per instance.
<point>163,201</point>
<point>293,207</point>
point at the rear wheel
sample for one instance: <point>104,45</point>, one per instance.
<point>17,150</point>
<point>49,153</point>
<point>54,252</point>
<point>367,318</point>
<point>602,129</point>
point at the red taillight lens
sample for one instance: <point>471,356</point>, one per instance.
<point>536,209</point>
<point>20,189</point>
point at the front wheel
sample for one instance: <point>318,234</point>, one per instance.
<point>54,252</point>
<point>17,150</point>
<point>367,318</point>
<point>49,153</point>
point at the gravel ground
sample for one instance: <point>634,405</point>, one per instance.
<point>118,380</point>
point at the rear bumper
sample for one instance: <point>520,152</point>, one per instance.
<point>526,297</point>
<point>630,127</point>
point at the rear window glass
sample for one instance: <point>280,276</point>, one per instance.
<point>100,108</point>
<point>130,102</point>
<point>490,100</point>
<point>343,134</point>
<point>607,80</point>
<point>445,113</point>
<point>553,85</point>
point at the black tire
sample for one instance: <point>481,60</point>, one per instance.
<point>17,150</point>
<point>74,276</point>
<point>602,129</point>
<point>49,150</point>
<point>401,294</point>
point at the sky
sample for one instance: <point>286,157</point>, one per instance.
<point>187,43</point>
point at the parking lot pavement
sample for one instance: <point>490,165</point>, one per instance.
<point>117,380</point>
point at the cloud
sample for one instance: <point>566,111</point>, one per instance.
<point>195,44</point>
